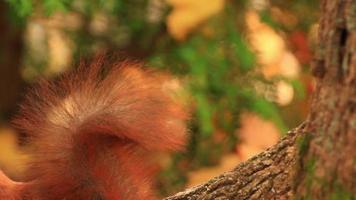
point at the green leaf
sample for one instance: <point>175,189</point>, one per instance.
<point>50,6</point>
<point>299,88</point>
<point>245,56</point>
<point>204,114</point>
<point>22,8</point>
<point>268,111</point>
<point>266,18</point>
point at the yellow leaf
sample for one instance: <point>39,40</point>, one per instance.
<point>188,14</point>
<point>12,158</point>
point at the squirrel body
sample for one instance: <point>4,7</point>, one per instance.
<point>93,132</point>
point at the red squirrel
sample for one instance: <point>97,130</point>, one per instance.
<point>93,133</point>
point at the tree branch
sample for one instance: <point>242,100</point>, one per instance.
<point>268,175</point>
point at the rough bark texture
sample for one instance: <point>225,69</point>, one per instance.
<point>268,175</point>
<point>328,164</point>
<point>318,159</point>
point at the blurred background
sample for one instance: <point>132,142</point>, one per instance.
<point>243,65</point>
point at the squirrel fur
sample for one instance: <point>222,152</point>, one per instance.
<point>93,133</point>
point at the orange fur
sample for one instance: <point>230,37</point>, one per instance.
<point>94,131</point>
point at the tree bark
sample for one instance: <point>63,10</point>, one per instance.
<point>316,160</point>
<point>268,175</point>
<point>328,163</point>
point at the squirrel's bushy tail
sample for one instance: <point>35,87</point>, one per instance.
<point>93,130</point>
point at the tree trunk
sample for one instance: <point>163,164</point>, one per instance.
<point>328,163</point>
<point>317,160</point>
<point>11,46</point>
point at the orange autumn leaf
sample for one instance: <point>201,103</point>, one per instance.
<point>188,14</point>
<point>256,134</point>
